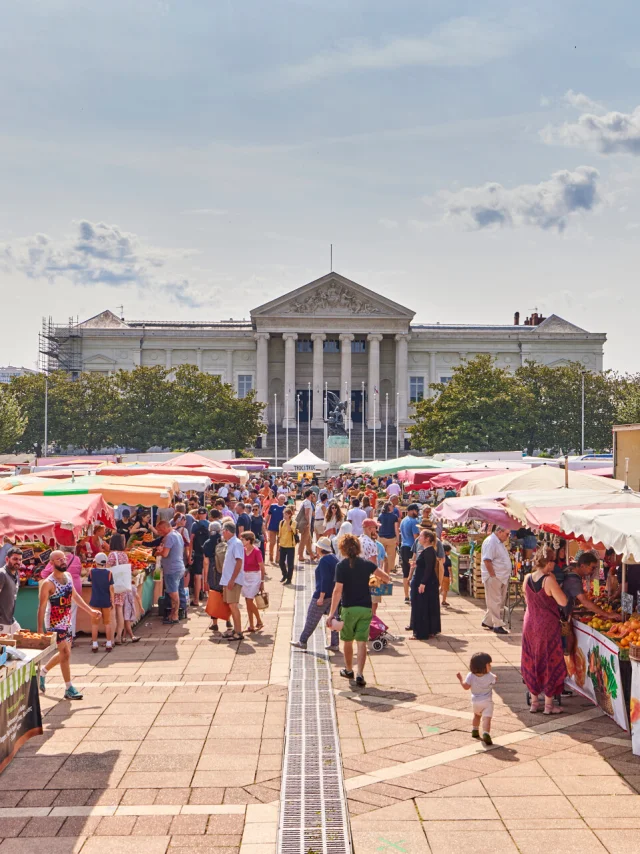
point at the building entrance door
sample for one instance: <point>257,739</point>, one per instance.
<point>358,403</point>
<point>305,402</point>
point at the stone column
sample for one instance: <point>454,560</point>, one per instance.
<point>402,378</point>
<point>229,371</point>
<point>290,339</point>
<point>199,358</point>
<point>262,370</point>
<point>432,372</point>
<point>317,384</point>
<point>345,370</point>
<point>374,380</point>
<point>168,354</point>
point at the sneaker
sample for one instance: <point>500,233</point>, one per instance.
<point>332,648</point>
<point>298,645</point>
<point>42,682</point>
<point>360,681</point>
<point>94,647</point>
<point>110,648</point>
<point>407,601</point>
<point>486,738</point>
<point>346,674</point>
<point>501,631</point>
<point>475,733</point>
<point>72,694</point>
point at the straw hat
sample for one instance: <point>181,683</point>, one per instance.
<point>324,544</point>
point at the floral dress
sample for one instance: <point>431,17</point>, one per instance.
<point>542,662</point>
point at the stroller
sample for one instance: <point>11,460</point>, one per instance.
<point>379,634</point>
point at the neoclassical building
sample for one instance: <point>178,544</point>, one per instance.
<point>331,334</point>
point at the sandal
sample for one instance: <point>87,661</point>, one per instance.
<point>228,634</point>
<point>260,627</point>
<point>234,636</point>
<point>135,639</point>
<point>534,708</point>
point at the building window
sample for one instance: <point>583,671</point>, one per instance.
<point>245,384</point>
<point>331,345</point>
<point>446,380</point>
<point>416,389</point>
<point>359,345</point>
<point>304,345</point>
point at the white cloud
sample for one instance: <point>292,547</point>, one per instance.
<point>607,133</point>
<point>547,205</point>
<point>460,42</point>
<point>582,102</point>
<point>101,254</point>
<point>389,224</point>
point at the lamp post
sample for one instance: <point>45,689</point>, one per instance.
<point>326,415</point>
<point>275,424</point>
<point>375,394</point>
<point>298,418</point>
<point>286,423</point>
<point>363,417</point>
<point>386,426</point>
<point>309,415</point>
<point>397,424</point>
<point>347,397</point>
<point>46,414</point>
<point>582,373</point>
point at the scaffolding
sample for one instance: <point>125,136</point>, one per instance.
<point>60,347</point>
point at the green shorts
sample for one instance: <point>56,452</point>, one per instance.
<point>356,623</point>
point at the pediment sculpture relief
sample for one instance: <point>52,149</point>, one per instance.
<point>332,298</point>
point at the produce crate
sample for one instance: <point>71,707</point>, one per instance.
<point>34,640</point>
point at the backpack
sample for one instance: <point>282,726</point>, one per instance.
<point>301,519</point>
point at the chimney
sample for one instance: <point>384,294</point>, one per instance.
<point>516,319</point>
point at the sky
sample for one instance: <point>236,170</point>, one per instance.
<point>195,159</point>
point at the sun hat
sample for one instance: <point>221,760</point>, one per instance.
<point>324,544</point>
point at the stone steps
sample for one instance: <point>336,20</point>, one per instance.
<point>317,444</point>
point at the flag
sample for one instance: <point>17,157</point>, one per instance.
<point>375,390</point>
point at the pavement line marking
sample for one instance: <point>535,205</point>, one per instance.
<point>125,809</point>
<point>60,685</point>
<point>403,704</point>
<point>392,772</point>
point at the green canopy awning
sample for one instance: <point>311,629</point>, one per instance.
<point>379,468</point>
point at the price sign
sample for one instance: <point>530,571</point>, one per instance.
<point>44,556</point>
<point>596,587</point>
<point>27,554</point>
<point>626,600</point>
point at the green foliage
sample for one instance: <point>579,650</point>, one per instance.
<point>135,409</point>
<point>12,421</point>
<point>485,408</point>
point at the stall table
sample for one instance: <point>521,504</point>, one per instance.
<point>20,714</point>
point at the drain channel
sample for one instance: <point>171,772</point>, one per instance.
<point>313,804</point>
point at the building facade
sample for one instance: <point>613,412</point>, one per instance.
<point>329,335</point>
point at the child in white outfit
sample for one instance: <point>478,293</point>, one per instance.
<point>480,681</point>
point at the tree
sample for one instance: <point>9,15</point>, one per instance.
<point>142,412</point>
<point>482,408</point>
<point>13,421</point>
<point>87,410</point>
<point>29,392</point>
<point>627,397</point>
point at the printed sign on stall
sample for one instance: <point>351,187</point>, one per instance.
<point>634,717</point>
<point>20,715</point>
<point>594,671</point>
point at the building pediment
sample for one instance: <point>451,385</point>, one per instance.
<point>99,360</point>
<point>332,296</point>
<point>105,320</point>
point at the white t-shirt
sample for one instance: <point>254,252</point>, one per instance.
<point>235,550</point>
<point>496,552</point>
<point>223,491</point>
<point>481,686</point>
<point>356,516</point>
<point>394,489</point>
<point>307,505</point>
<point>320,511</point>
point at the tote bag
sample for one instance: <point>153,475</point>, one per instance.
<point>216,608</point>
<point>121,577</point>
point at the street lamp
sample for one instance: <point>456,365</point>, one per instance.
<point>582,375</point>
<point>309,415</point>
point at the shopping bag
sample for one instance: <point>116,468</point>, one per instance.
<point>121,573</point>
<point>216,608</point>
<point>262,601</point>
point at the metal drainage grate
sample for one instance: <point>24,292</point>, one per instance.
<point>313,804</point>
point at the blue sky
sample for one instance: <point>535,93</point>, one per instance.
<point>195,159</point>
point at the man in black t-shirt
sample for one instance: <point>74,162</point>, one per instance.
<point>199,536</point>
<point>352,587</point>
<point>243,522</point>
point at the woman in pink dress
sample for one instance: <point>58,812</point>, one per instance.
<point>542,662</point>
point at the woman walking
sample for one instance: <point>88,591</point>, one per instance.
<point>125,602</point>
<point>425,590</point>
<point>333,519</point>
<point>321,598</point>
<point>287,542</point>
<point>253,580</point>
<point>542,662</point>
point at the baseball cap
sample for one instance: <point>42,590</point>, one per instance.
<point>371,523</point>
<point>100,559</point>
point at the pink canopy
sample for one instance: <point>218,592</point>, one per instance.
<point>61,518</point>
<point>486,508</point>
<point>216,474</point>
<point>191,460</point>
<point>455,478</point>
<point>458,479</point>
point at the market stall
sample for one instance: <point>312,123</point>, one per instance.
<point>114,490</point>
<point>217,474</point>
<point>541,477</point>
<point>306,461</point>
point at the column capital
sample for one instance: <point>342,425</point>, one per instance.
<point>261,336</point>
<point>290,336</point>
<point>318,336</point>
<point>375,336</point>
<point>403,336</point>
<point>347,336</point>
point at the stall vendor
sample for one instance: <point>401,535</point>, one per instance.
<point>574,590</point>
<point>9,586</point>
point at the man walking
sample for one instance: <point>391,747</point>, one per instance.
<point>199,536</point>
<point>275,514</point>
<point>409,530</point>
<point>496,571</point>
<point>171,551</point>
<point>303,523</point>
<point>232,578</point>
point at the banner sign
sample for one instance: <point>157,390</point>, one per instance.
<point>20,715</point>
<point>635,707</point>
<point>594,672</point>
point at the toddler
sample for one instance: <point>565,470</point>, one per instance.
<point>480,681</point>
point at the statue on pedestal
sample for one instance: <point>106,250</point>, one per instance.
<point>335,421</point>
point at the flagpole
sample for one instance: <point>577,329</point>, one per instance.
<point>326,415</point>
<point>309,415</point>
<point>386,427</point>
<point>298,418</point>
<point>397,424</point>
<point>375,392</point>
<point>275,424</point>
<point>286,422</point>
<point>363,417</point>
<point>347,397</point>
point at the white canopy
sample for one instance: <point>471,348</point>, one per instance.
<point>617,529</point>
<point>305,461</point>
<point>542,477</point>
<point>193,483</point>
